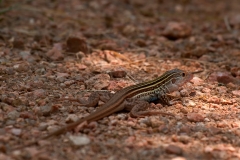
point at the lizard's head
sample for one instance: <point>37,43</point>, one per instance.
<point>177,79</point>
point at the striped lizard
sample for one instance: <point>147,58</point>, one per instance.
<point>135,98</point>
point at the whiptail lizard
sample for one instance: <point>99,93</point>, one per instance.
<point>135,98</point>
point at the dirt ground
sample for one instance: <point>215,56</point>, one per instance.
<point>68,49</point>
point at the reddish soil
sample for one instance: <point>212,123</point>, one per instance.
<point>55,49</point>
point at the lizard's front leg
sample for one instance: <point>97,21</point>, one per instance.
<point>138,108</point>
<point>164,99</point>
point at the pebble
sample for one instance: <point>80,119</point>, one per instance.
<point>206,90</point>
<point>204,107</point>
<point>69,82</point>
<point>173,149</point>
<point>98,82</point>
<point>77,44</point>
<point>21,67</point>
<point>235,71</point>
<point>10,71</point>
<point>122,116</point>
<point>176,30</point>
<point>146,121</point>
<point>16,131</point>
<point>185,129</point>
<point>71,118</point>
<point>56,53</point>
<point>225,78</point>
<point>118,74</point>
<point>191,103</point>
<point>79,140</point>
<point>195,117</point>
<point>197,81</point>
<point>236,93</point>
<point>39,93</point>
<point>184,139</point>
<point>206,120</point>
<point>184,93</point>
<point>198,135</point>
<point>61,76</point>
<point>42,126</point>
<point>13,115</point>
<point>222,89</point>
<point>46,110</point>
<point>200,127</point>
<point>214,130</point>
<point>222,124</point>
<point>178,158</point>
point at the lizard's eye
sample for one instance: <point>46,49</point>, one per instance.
<point>183,74</point>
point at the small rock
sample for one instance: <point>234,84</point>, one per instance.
<point>191,103</point>
<point>98,82</point>
<point>224,78</point>
<point>214,99</point>
<point>176,30</point>
<point>222,89</point>
<point>81,66</point>
<point>173,149</point>
<point>118,74</point>
<point>16,131</point>
<point>76,44</point>
<point>56,53</point>
<point>46,110</point>
<point>6,157</point>
<point>184,139</point>
<point>39,93</point>
<point>71,118</point>
<point>236,93</point>
<point>199,127</point>
<point>214,130</point>
<point>206,90</point>
<point>178,158</point>
<point>122,116</point>
<point>108,45</point>
<point>114,122</point>
<point>116,85</point>
<point>129,30</point>
<point>206,120</point>
<point>235,71</point>
<point>79,140</point>
<point>197,81</point>
<point>205,58</point>
<point>163,128</point>
<point>62,75</point>
<point>198,135</point>
<point>13,115</point>
<point>27,115</point>
<point>10,71</point>
<point>183,110</point>
<point>184,93</point>
<point>69,82</point>
<point>43,126</point>
<point>185,129</point>
<point>222,125</point>
<point>141,43</point>
<point>19,44</point>
<point>234,20</point>
<point>195,117</point>
<point>146,121</point>
<point>26,55</point>
<point>21,67</point>
<point>35,84</point>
